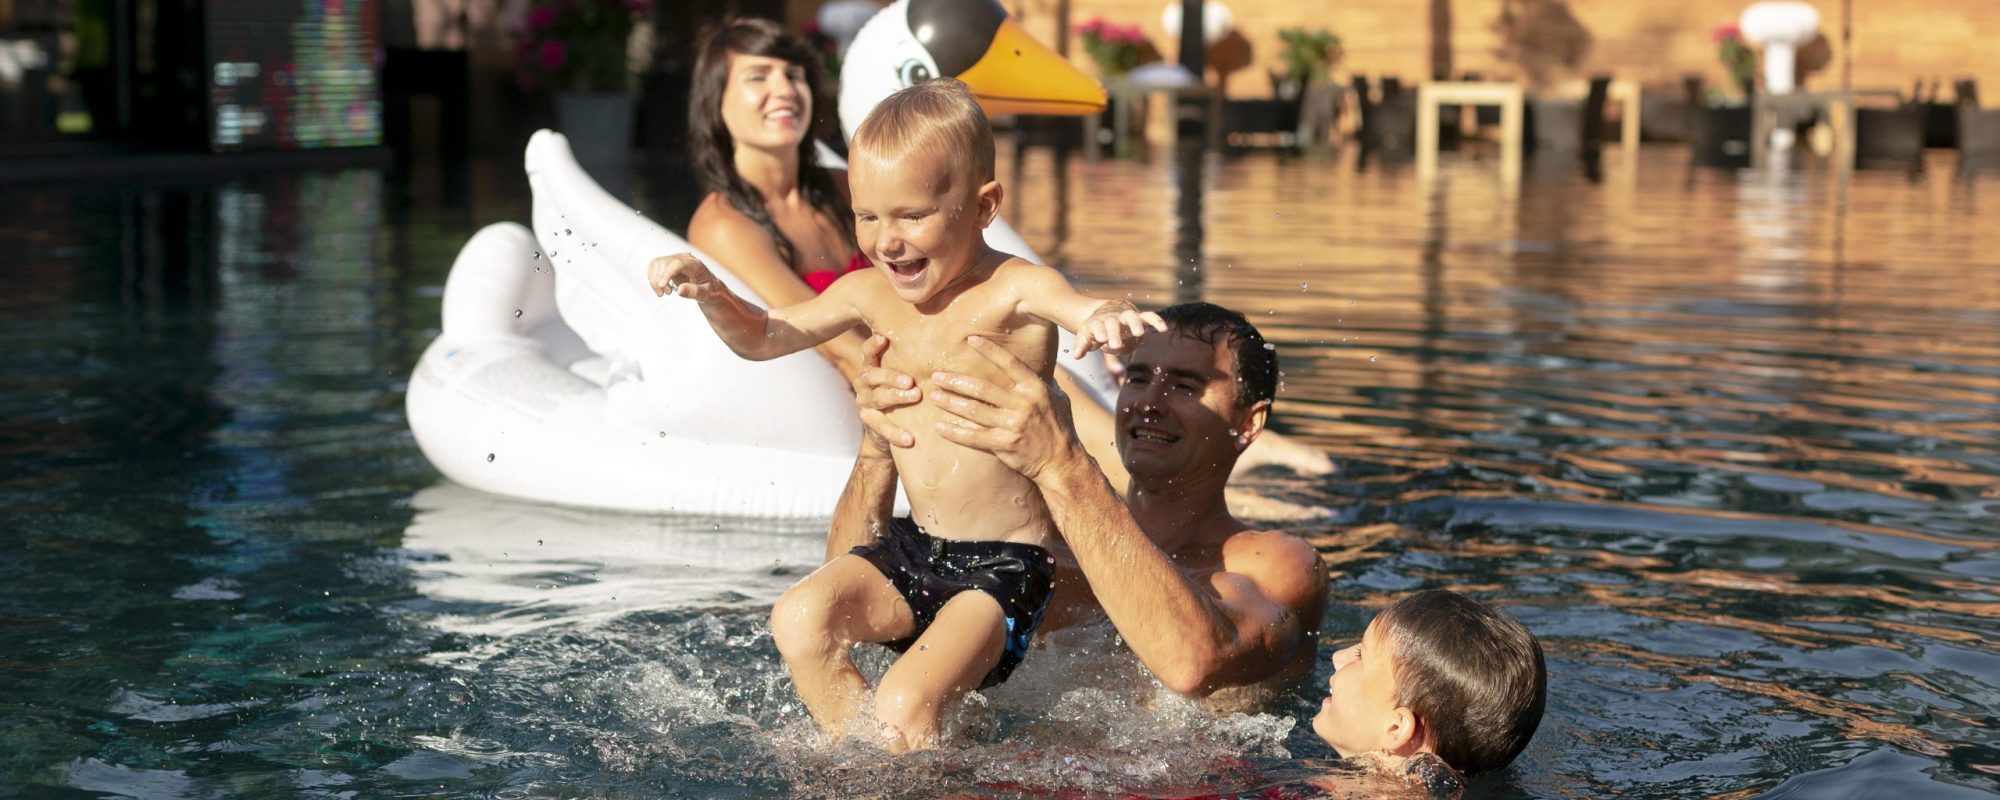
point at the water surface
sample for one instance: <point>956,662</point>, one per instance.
<point>1728,442</point>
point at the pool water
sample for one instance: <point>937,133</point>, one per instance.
<point>1728,442</point>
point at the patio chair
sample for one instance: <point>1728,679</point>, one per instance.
<point>1978,129</point>
<point>1892,136</point>
<point>1388,125</point>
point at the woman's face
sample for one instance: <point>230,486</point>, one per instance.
<point>767,103</point>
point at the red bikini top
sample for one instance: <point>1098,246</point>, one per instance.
<point>823,278</point>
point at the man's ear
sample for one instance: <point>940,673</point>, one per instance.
<point>989,202</point>
<point>1249,423</point>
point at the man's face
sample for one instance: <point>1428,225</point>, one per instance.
<point>918,219</point>
<point>1177,408</point>
<point>1360,704</point>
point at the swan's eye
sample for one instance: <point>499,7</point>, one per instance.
<point>913,72</point>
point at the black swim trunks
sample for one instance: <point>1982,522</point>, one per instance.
<point>928,571</point>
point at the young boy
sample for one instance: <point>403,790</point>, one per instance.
<point>967,579</point>
<point>1436,676</point>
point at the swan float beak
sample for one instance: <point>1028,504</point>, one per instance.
<point>1018,75</point>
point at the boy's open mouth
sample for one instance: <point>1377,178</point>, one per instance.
<point>909,271</point>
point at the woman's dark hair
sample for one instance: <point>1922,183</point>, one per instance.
<point>712,150</point>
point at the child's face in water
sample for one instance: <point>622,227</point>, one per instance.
<point>919,220</point>
<point>1360,714</point>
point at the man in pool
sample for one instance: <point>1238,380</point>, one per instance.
<point>1205,601</point>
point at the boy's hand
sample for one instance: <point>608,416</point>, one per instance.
<point>1117,326</point>
<point>684,276</point>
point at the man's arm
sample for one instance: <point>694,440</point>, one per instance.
<point>1237,627</point>
<point>869,498</point>
<point>1240,626</point>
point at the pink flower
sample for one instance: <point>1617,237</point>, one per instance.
<point>1094,27</point>
<point>541,17</point>
<point>552,55</point>
<point>810,30</point>
<point>1723,33</point>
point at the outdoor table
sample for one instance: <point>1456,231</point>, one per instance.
<point>1508,96</point>
<point>1768,111</point>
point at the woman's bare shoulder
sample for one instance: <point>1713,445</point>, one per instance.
<point>719,226</point>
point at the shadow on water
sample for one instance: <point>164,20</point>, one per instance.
<point>1729,443</point>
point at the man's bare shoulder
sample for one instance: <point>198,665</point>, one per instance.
<point>1285,568</point>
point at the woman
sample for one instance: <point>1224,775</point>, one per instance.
<point>775,217</point>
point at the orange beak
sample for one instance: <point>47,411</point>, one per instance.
<point>1018,75</point>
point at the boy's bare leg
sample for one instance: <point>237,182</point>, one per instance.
<point>816,624</point>
<point>962,644</point>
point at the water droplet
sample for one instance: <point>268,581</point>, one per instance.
<point>552,254</point>
<point>1302,288</point>
<point>1270,346</point>
<point>637,212</point>
<point>1271,313</point>
<point>715,526</point>
<point>566,232</point>
<point>924,646</point>
<point>517,313</point>
<point>538,543</point>
<point>1371,359</point>
<point>663,434</point>
<point>489,458</point>
<point>537,255</point>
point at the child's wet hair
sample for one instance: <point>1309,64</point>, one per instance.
<point>938,118</point>
<point>1473,676</point>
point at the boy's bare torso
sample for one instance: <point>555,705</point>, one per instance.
<point>957,492</point>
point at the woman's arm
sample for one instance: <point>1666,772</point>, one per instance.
<point>736,241</point>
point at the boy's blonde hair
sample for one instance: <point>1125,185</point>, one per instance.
<point>937,118</point>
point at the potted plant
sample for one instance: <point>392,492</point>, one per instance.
<point>582,50</point>
<point>1117,50</point>
<point>1547,42</point>
<point>1308,57</point>
<point>1737,57</point>
<point>1721,122</point>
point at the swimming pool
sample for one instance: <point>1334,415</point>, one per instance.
<point>1729,443</point>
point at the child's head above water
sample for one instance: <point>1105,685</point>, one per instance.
<point>921,171</point>
<point>1437,672</point>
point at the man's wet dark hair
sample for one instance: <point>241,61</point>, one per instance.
<point>1472,675</point>
<point>1256,363</point>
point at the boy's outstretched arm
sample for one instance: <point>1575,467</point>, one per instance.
<point>752,332</point>
<point>1114,325</point>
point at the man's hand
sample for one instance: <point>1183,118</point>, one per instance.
<point>1025,422</point>
<point>878,389</point>
<point>684,276</point>
<point>1112,325</point>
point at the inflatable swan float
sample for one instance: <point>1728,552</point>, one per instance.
<point>559,377</point>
